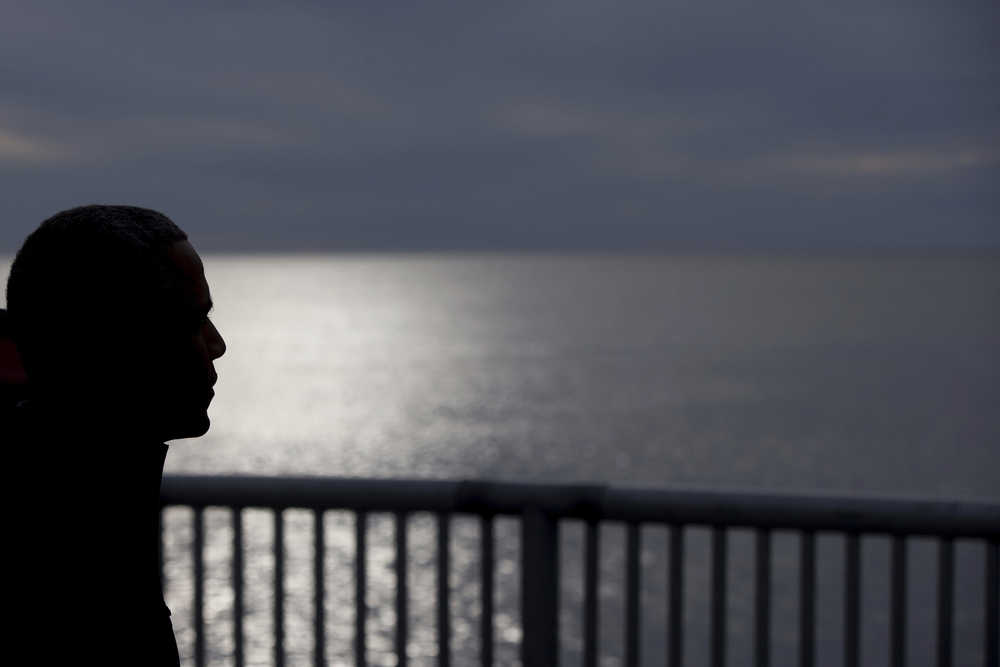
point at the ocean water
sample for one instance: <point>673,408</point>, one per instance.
<point>848,375</point>
<point>875,375</point>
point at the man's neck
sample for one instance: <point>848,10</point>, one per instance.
<point>101,421</point>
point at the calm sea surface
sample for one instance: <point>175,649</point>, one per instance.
<point>868,375</point>
<point>874,375</point>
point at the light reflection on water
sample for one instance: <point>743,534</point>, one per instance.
<point>846,375</point>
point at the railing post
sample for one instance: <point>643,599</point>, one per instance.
<point>852,600</point>
<point>539,589</point>
<point>991,613</point>
<point>402,613</point>
<point>443,589</point>
<point>360,589</point>
<point>319,590</point>
<point>591,557</point>
<point>717,627</point>
<point>946,601</point>
<point>486,559</point>
<point>198,554</point>
<point>633,553</point>
<point>238,586</point>
<point>279,588</point>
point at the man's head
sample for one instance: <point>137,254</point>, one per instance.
<point>109,308</point>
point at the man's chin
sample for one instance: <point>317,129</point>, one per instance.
<point>191,428</point>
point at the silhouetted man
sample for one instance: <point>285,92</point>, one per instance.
<point>108,307</point>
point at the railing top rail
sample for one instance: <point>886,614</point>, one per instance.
<point>594,501</point>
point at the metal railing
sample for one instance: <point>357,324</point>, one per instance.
<point>540,508</point>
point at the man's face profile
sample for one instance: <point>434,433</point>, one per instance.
<point>182,372</point>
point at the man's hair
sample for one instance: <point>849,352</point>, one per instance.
<point>83,273</point>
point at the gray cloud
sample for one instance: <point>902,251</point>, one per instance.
<point>517,125</point>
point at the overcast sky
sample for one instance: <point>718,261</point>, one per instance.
<point>540,125</point>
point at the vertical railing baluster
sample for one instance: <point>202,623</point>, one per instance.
<point>991,604</point>
<point>590,609</point>
<point>486,568</point>
<point>360,588</point>
<point>539,589</point>
<point>718,629</point>
<point>897,626</point>
<point>198,556</point>
<point>852,599</point>
<point>401,590</point>
<point>279,588</point>
<point>762,612</point>
<point>319,590</point>
<point>807,599</point>
<point>946,596</point>
<point>443,590</point>
<point>237,517</point>
<point>632,552</point>
<point>675,638</point>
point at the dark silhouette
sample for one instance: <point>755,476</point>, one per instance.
<point>108,308</point>
<point>13,381</point>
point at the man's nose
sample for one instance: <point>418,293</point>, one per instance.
<point>216,345</point>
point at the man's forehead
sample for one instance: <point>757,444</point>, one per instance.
<point>191,271</point>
